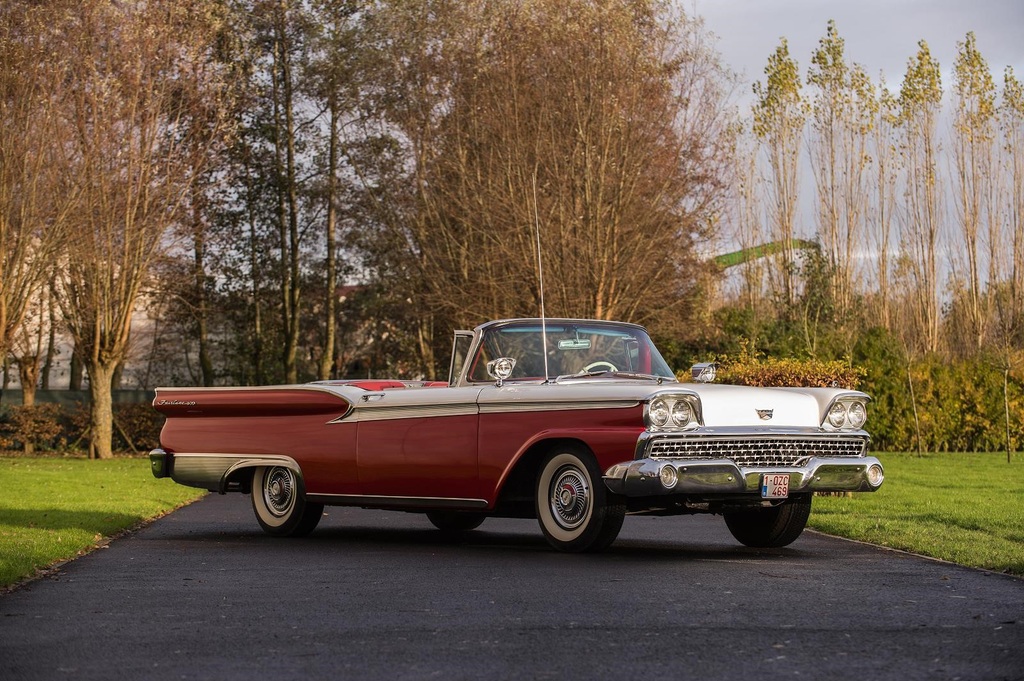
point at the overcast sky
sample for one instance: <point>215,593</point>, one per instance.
<point>881,35</point>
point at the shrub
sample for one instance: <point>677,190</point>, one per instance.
<point>748,369</point>
<point>49,427</point>
<point>137,427</point>
<point>35,427</point>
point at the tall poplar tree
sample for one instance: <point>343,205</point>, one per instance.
<point>920,102</point>
<point>974,177</point>
<point>780,116</point>
<point>844,110</point>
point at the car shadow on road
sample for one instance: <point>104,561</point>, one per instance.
<point>482,542</point>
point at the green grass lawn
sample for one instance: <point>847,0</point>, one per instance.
<point>964,508</point>
<point>54,509</point>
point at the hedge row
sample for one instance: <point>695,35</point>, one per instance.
<point>801,373</point>
<point>926,404</point>
<point>59,428</point>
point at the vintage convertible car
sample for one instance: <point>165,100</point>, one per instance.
<point>573,422</point>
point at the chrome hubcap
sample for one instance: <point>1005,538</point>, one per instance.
<point>570,497</point>
<point>279,490</point>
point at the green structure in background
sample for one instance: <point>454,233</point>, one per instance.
<point>745,255</point>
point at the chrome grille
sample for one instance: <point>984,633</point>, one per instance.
<point>757,451</point>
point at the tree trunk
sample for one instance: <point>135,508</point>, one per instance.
<point>327,359</point>
<point>75,381</point>
<point>51,342</point>
<point>101,415</point>
<point>28,373</point>
<point>199,273</point>
<point>1006,407</point>
<point>7,376</point>
<point>913,401</point>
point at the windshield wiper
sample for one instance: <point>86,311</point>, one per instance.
<point>616,374</point>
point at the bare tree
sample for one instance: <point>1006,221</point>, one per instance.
<point>885,153</point>
<point>135,163</point>
<point>920,106</point>
<point>844,112</point>
<point>1011,124</point>
<point>599,124</point>
<point>780,115</point>
<point>973,141</point>
<point>35,198</point>
<point>332,84</point>
<point>746,211</point>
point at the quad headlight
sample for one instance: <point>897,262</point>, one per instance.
<point>857,414</point>
<point>846,414</point>
<point>669,412</point>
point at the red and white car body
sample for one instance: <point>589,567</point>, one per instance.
<point>574,422</point>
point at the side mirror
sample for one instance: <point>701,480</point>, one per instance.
<point>500,369</point>
<point>704,372</point>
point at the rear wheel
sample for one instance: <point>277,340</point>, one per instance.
<point>575,510</point>
<point>771,527</point>
<point>279,501</point>
<point>456,521</point>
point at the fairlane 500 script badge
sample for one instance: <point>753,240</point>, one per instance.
<point>176,403</point>
<point>765,414</point>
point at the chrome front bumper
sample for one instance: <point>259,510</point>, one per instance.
<point>712,477</point>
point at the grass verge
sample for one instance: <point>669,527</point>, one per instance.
<point>54,509</point>
<point>964,508</point>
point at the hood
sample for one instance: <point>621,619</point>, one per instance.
<point>733,405</point>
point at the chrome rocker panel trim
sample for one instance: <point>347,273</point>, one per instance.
<point>381,501</point>
<point>642,478</point>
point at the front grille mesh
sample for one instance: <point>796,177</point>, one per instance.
<point>757,451</point>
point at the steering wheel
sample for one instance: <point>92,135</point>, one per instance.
<point>599,365</point>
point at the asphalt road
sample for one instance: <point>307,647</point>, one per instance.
<point>203,594</point>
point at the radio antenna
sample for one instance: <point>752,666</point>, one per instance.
<point>540,277</point>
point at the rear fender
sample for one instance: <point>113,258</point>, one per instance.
<point>241,471</point>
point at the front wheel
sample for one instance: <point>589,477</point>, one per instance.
<point>279,501</point>
<point>576,511</point>
<point>771,527</point>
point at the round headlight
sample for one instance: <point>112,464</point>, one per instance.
<point>837,415</point>
<point>659,412</point>
<point>681,413</point>
<point>857,415</point>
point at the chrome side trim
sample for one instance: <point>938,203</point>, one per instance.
<point>404,411</point>
<point>378,410</point>
<point>375,500</point>
<point>210,470</point>
<point>534,406</point>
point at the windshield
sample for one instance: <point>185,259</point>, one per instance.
<point>572,348</point>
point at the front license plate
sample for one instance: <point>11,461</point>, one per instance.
<point>775,486</point>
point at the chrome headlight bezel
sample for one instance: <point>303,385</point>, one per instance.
<point>846,413</point>
<point>672,412</point>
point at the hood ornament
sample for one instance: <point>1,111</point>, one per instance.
<point>765,414</point>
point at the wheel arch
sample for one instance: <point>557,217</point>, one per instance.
<point>238,476</point>
<point>517,488</point>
